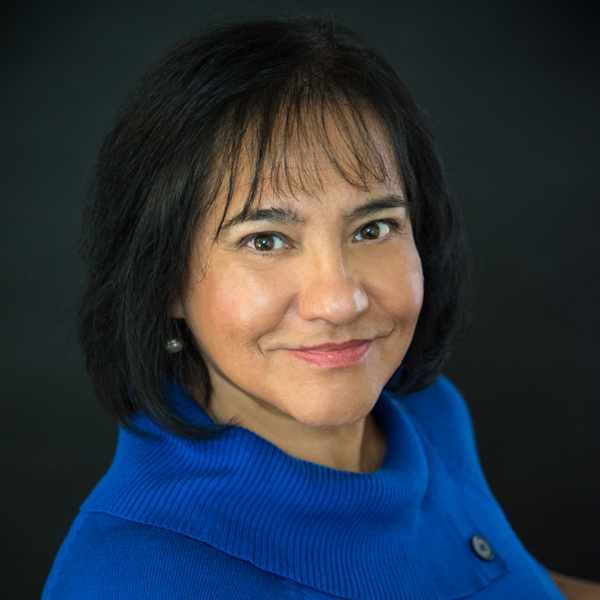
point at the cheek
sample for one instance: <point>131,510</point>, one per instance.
<point>235,306</point>
<point>414,290</point>
<point>398,286</point>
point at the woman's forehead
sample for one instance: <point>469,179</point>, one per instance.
<point>299,163</point>
<point>303,191</point>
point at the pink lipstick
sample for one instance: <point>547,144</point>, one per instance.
<point>333,356</point>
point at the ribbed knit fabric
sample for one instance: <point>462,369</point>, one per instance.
<point>235,517</point>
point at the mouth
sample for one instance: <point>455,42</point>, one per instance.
<point>333,356</point>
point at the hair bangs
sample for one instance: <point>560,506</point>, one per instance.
<point>293,143</point>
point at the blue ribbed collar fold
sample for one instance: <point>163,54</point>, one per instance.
<point>349,534</point>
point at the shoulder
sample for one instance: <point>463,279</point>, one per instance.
<point>106,557</point>
<point>442,417</point>
<point>440,410</point>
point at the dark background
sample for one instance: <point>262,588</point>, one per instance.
<point>512,93</point>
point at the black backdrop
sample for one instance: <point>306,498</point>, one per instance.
<point>512,92</point>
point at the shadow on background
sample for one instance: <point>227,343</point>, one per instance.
<point>512,93</point>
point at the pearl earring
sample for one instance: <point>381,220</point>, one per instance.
<point>173,346</point>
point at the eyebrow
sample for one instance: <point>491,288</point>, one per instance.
<point>274,215</point>
<point>374,206</point>
<point>288,217</point>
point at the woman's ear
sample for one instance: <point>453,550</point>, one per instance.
<point>176,311</point>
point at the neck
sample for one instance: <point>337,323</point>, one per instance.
<point>357,447</point>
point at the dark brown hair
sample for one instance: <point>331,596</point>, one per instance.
<point>178,142</point>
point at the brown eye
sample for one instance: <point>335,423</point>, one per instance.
<point>264,242</point>
<point>370,231</point>
<point>373,231</point>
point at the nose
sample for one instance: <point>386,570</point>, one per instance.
<point>331,290</point>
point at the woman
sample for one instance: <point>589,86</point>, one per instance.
<point>270,244</point>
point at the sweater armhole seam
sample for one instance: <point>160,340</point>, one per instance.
<point>454,466</point>
<point>296,589</point>
<point>63,552</point>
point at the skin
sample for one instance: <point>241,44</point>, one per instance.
<point>576,589</point>
<point>326,266</point>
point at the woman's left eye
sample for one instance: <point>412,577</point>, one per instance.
<point>373,231</point>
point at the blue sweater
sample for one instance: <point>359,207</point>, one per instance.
<point>237,518</point>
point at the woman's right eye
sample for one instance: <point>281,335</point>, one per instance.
<point>265,242</point>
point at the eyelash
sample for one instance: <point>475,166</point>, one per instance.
<point>245,241</point>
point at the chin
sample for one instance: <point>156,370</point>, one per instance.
<point>324,413</point>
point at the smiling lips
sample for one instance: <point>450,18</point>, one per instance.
<point>333,356</point>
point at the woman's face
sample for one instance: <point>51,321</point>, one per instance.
<point>307,305</point>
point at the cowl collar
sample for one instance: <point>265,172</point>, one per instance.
<point>353,535</point>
